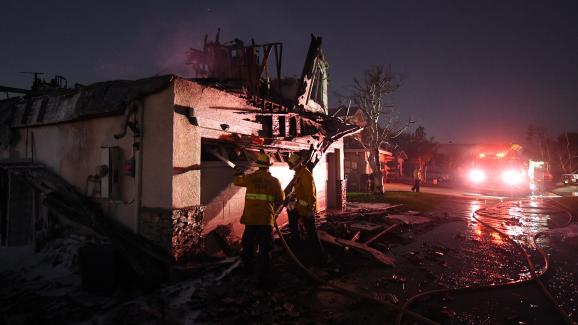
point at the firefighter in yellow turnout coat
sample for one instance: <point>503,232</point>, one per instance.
<point>304,206</point>
<point>263,194</point>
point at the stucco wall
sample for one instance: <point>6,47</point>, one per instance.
<point>199,97</point>
<point>211,107</point>
<point>186,187</point>
<point>223,200</point>
<point>74,150</point>
<point>157,149</point>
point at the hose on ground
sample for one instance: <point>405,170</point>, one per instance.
<point>535,275</point>
<point>344,291</point>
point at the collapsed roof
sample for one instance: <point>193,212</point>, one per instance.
<point>246,69</point>
<point>232,67</point>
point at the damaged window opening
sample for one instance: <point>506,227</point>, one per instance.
<point>211,150</point>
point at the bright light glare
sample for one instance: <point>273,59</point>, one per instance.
<point>477,176</point>
<point>512,177</point>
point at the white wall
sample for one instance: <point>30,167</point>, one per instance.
<point>186,152</point>
<point>73,150</point>
<point>157,149</point>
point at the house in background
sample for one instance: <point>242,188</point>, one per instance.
<point>357,168</point>
<point>154,154</point>
<point>396,166</point>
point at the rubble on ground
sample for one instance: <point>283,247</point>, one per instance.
<point>209,291</point>
<point>295,298</point>
<point>428,251</point>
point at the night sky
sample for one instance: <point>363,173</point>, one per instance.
<point>475,71</point>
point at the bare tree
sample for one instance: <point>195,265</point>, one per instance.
<point>372,96</point>
<point>538,142</point>
<point>568,151</point>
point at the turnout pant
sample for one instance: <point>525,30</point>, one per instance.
<point>312,239</point>
<point>258,238</point>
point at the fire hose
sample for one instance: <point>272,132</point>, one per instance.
<point>356,295</point>
<point>344,291</point>
<point>353,294</point>
<point>403,309</point>
<point>535,275</point>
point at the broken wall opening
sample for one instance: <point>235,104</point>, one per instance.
<point>223,201</point>
<point>281,125</point>
<point>216,175</point>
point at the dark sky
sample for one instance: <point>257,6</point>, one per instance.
<point>476,71</point>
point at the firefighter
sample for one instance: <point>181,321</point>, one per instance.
<point>263,195</point>
<point>303,206</point>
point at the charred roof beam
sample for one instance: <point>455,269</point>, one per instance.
<point>312,91</point>
<point>6,89</point>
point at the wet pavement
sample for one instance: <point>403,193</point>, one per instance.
<point>488,272</point>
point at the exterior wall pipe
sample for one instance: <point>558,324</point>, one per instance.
<point>129,111</point>
<point>139,165</point>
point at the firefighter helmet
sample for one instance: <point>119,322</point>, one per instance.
<point>263,160</point>
<point>294,160</point>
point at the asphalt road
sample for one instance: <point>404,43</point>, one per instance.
<point>462,251</point>
<point>453,191</point>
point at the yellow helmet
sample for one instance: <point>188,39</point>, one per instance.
<point>263,160</point>
<point>294,160</point>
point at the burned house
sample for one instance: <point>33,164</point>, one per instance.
<point>154,155</point>
<point>357,168</point>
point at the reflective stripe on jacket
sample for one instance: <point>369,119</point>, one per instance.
<point>305,192</point>
<point>264,192</point>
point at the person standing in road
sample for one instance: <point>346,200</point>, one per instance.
<point>263,195</point>
<point>303,207</point>
<point>417,177</point>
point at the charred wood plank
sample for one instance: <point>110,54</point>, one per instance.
<point>381,233</point>
<point>379,256</point>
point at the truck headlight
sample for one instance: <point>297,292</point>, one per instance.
<point>477,176</point>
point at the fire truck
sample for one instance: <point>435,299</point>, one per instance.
<point>505,171</point>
